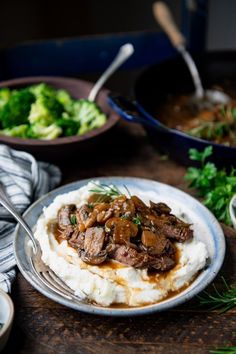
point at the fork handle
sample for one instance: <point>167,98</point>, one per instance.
<point>6,203</point>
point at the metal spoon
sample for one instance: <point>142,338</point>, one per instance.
<point>201,99</point>
<point>124,53</point>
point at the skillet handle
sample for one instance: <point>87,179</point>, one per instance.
<point>129,111</point>
<point>125,108</point>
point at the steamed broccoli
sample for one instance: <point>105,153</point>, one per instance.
<point>16,110</point>
<point>5,94</point>
<point>45,110</point>
<point>19,131</point>
<point>88,114</point>
<point>97,122</point>
<point>65,99</point>
<point>42,89</point>
<point>37,131</point>
<point>69,127</point>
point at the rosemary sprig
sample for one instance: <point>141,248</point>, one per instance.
<point>222,301</point>
<point>222,350</point>
<point>105,189</point>
<point>127,190</point>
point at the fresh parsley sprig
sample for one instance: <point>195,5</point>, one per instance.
<point>73,219</point>
<point>222,301</point>
<point>214,185</point>
<point>137,220</point>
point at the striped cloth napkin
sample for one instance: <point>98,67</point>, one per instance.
<point>25,180</point>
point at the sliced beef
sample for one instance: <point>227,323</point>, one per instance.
<point>133,258</point>
<point>121,230</point>
<point>173,228</point>
<point>77,240</point>
<point>93,245</point>
<point>177,233</point>
<point>64,215</point>
<point>154,244</point>
<point>129,256</point>
<point>160,208</point>
<point>168,225</point>
<point>94,240</point>
<point>163,263</point>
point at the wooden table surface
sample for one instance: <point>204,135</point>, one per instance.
<point>43,326</point>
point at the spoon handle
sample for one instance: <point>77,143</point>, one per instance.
<point>124,53</point>
<point>165,19</point>
<point>4,200</point>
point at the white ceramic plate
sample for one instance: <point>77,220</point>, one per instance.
<point>206,229</point>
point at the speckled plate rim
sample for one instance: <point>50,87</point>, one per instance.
<point>200,283</point>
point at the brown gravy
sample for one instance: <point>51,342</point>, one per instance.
<point>169,296</point>
<point>52,227</point>
<point>175,113</point>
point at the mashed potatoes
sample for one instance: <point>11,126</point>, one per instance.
<point>113,282</point>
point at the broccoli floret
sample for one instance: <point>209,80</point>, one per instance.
<point>37,131</point>
<point>5,94</point>
<point>69,127</point>
<point>16,110</point>
<point>42,89</point>
<point>65,99</point>
<point>45,110</point>
<point>88,114</point>
<point>98,121</point>
<point>19,131</point>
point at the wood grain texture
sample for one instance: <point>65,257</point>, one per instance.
<point>43,326</point>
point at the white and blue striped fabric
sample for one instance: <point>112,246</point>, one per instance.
<point>25,180</point>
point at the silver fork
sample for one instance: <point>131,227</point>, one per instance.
<point>41,270</point>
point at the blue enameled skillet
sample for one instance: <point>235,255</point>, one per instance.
<point>172,77</point>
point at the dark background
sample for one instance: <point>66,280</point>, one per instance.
<point>42,19</point>
<point>23,20</point>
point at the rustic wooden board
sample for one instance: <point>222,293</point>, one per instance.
<point>42,326</point>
